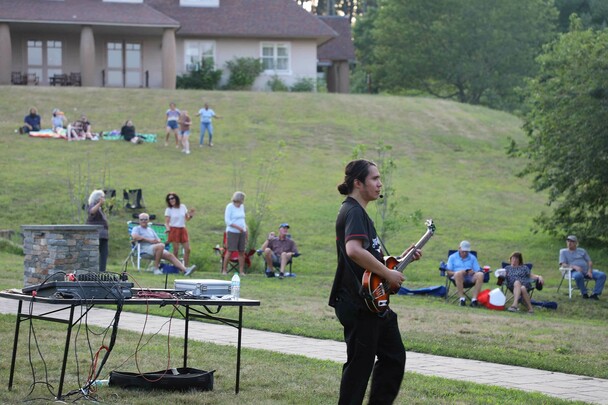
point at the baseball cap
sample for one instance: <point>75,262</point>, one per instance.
<point>465,246</point>
<point>572,238</point>
<point>284,225</point>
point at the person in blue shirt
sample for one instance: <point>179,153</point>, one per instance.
<point>31,122</point>
<point>464,268</point>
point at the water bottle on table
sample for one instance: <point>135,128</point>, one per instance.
<point>235,287</point>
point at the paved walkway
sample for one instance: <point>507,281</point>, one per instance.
<point>564,386</point>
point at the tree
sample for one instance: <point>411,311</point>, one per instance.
<point>567,148</point>
<point>593,13</point>
<point>475,51</point>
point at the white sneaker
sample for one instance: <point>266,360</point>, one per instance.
<point>187,152</point>
<point>157,271</point>
<point>189,270</point>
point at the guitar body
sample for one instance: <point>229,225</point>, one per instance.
<point>377,291</point>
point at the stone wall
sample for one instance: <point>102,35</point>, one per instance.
<point>51,249</point>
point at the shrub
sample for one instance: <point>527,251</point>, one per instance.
<point>276,84</point>
<point>243,72</point>
<point>204,77</point>
<point>305,84</point>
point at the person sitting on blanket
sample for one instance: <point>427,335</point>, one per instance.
<point>152,246</point>
<point>75,131</point>
<point>32,122</point>
<point>86,128</point>
<point>279,250</point>
<point>128,133</point>
<point>58,122</point>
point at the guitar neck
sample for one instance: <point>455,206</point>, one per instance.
<point>409,257</point>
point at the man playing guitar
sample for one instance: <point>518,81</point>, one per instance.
<point>367,334</point>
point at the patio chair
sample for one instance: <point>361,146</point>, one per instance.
<point>567,275</point>
<point>135,255</point>
<point>134,199</point>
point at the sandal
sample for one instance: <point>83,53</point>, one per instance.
<point>513,309</point>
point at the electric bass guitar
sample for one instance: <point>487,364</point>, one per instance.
<point>376,291</point>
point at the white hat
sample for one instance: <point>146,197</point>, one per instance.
<point>465,246</point>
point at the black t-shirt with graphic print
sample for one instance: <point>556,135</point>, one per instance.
<point>352,223</point>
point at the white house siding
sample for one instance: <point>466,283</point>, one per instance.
<point>303,58</point>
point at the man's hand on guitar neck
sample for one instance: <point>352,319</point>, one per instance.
<point>417,254</point>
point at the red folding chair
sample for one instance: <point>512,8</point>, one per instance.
<point>233,264</point>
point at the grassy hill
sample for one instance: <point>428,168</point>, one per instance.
<point>450,165</point>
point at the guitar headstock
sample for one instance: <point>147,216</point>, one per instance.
<point>430,225</point>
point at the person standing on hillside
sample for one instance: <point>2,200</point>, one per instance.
<point>206,114</point>
<point>172,115</point>
<point>98,217</point>
<point>367,334</point>
<point>236,231</point>
<point>176,216</point>
<point>184,131</point>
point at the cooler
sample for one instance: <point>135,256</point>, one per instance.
<point>204,288</point>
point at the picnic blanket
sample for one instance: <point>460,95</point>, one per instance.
<point>436,290</point>
<point>116,136</point>
<point>48,133</point>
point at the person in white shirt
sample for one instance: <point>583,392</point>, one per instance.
<point>236,231</point>
<point>176,216</point>
<point>206,114</point>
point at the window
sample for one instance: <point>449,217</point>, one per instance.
<point>197,51</point>
<point>44,58</point>
<point>275,57</point>
<point>199,3</point>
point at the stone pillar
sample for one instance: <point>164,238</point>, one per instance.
<point>87,56</point>
<point>6,50</point>
<point>169,59</point>
<point>51,249</point>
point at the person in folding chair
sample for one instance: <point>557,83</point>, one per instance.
<point>582,268</point>
<point>464,268</point>
<point>518,277</point>
<point>152,246</point>
<point>278,251</point>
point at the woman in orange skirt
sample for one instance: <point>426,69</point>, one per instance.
<point>176,216</point>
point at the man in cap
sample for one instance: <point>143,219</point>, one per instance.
<point>463,267</point>
<point>278,251</point>
<point>582,267</point>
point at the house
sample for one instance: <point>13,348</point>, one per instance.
<point>147,43</point>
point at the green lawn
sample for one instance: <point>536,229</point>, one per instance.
<point>450,165</point>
